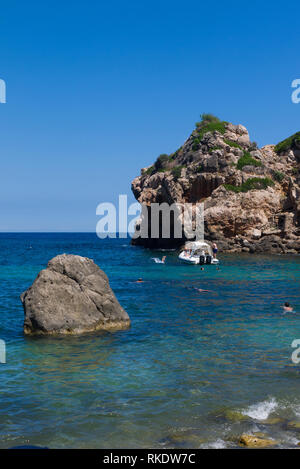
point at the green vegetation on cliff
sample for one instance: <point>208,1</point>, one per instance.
<point>210,123</point>
<point>232,144</point>
<point>176,172</point>
<point>161,161</point>
<point>196,144</point>
<point>278,176</point>
<point>250,184</point>
<point>150,170</point>
<point>288,143</point>
<point>247,160</point>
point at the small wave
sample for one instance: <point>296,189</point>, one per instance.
<point>290,440</point>
<point>261,410</point>
<point>218,444</point>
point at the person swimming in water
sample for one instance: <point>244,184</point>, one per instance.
<point>159,261</point>
<point>287,308</point>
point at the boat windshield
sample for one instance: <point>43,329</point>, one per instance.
<point>198,249</point>
<point>202,252</point>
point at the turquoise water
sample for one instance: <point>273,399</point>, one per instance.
<point>170,380</point>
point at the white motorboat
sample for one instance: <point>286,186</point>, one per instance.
<point>197,252</point>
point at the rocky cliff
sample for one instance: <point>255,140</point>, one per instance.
<point>250,194</point>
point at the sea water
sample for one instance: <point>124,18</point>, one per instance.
<point>196,369</point>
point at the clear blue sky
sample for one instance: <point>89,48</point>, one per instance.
<point>97,90</point>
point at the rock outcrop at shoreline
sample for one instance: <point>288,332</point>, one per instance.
<point>254,441</point>
<point>251,195</point>
<point>71,296</point>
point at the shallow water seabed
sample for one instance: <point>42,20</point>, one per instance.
<point>194,370</point>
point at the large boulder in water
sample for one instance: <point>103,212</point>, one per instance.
<point>71,296</point>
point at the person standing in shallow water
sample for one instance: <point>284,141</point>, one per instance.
<point>215,250</point>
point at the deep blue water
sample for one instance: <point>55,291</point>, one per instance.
<point>187,359</point>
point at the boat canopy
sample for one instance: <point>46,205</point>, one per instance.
<point>198,246</point>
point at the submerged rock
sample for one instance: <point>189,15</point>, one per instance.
<point>272,421</point>
<point>255,441</point>
<point>235,416</point>
<point>184,439</point>
<point>294,425</point>
<point>71,296</point>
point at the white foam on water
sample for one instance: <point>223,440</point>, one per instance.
<point>296,409</point>
<point>218,444</point>
<point>261,410</point>
<point>291,440</point>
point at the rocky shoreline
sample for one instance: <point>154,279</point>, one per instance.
<point>250,194</point>
<point>242,431</point>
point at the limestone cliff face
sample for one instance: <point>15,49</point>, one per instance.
<point>250,195</point>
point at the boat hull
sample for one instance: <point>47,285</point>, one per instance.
<point>194,260</point>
